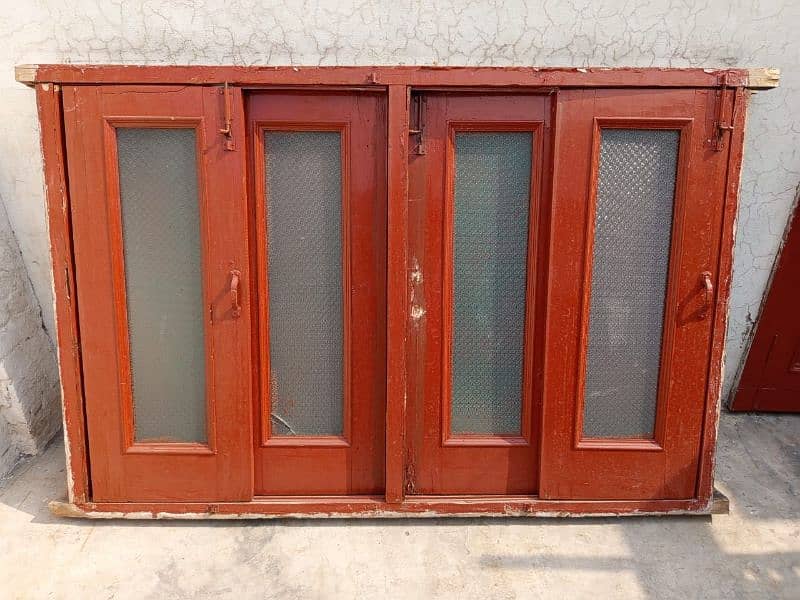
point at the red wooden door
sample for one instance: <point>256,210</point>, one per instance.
<point>771,377</point>
<point>319,207</point>
<point>476,173</point>
<point>158,215</point>
<point>636,225</point>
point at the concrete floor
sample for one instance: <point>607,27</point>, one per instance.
<point>752,553</point>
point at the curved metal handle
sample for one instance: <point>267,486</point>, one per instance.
<point>708,288</point>
<point>236,308</point>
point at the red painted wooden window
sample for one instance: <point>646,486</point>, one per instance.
<point>159,214</point>
<point>476,173</point>
<point>354,294</point>
<point>319,240</point>
<point>629,357</point>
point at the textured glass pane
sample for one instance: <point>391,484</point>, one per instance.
<point>633,223</point>
<point>161,238</point>
<point>304,221</point>
<point>492,190</point>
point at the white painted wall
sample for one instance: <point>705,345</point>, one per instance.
<point>676,33</point>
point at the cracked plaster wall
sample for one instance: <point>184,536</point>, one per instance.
<point>710,33</point>
<point>29,407</point>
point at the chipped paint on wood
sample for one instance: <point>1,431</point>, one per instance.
<point>389,75</point>
<point>26,74</point>
<point>529,508</point>
<point>763,79</point>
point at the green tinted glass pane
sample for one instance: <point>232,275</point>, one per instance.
<point>492,197</point>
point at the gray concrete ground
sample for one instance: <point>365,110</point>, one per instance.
<point>752,553</point>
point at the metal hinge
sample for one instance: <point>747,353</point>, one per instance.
<point>721,126</point>
<point>417,119</point>
<point>410,484</point>
<point>228,110</point>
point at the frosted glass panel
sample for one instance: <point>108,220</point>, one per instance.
<point>304,239</point>
<point>161,239</point>
<point>633,224</point>
<point>492,196</point>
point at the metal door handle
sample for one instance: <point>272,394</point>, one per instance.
<point>708,288</point>
<point>236,308</point>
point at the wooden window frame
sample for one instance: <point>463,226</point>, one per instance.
<point>396,83</point>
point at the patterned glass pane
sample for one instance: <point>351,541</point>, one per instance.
<point>633,224</point>
<point>492,196</point>
<point>163,282</point>
<point>304,222</point>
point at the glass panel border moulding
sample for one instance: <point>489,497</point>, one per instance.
<point>632,240</point>
<point>163,282</point>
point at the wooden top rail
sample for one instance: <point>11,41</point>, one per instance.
<point>417,76</point>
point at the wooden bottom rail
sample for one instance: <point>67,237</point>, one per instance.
<point>377,507</point>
